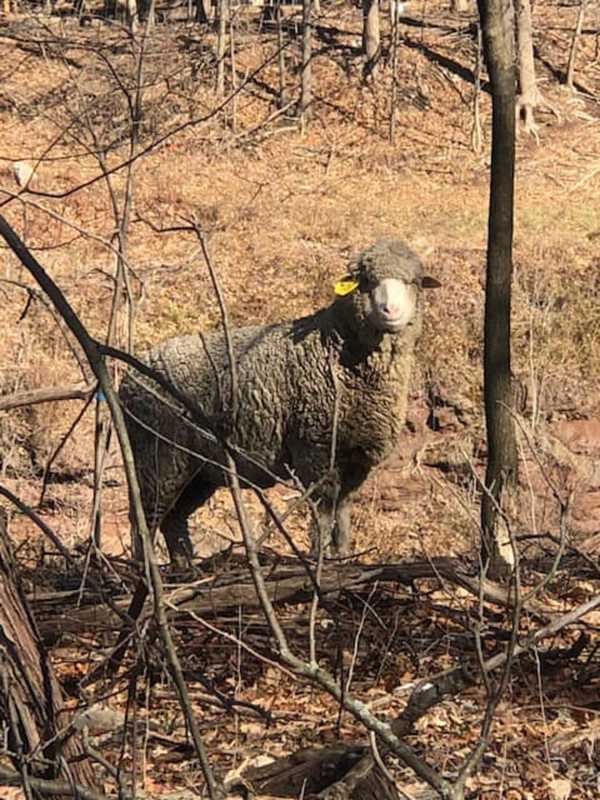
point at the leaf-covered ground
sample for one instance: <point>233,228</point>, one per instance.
<point>283,209</point>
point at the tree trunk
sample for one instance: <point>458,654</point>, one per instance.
<point>394,87</point>
<point>371,39</point>
<point>132,15</point>
<point>203,11</point>
<point>460,6</point>
<point>497,20</point>
<point>221,46</point>
<point>476,135</point>
<point>528,99</point>
<point>280,55</point>
<point>232,64</point>
<point>306,92</point>
<point>31,702</point>
<point>574,43</point>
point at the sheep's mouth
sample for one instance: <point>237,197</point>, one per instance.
<point>390,324</point>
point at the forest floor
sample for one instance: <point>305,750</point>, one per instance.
<point>283,209</point>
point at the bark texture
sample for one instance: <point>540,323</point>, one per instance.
<point>528,98</point>
<point>575,42</point>
<point>31,701</point>
<point>371,36</point>
<point>339,772</point>
<point>306,87</point>
<point>497,20</point>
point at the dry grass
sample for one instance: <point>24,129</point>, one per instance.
<point>284,210</point>
<point>283,213</point>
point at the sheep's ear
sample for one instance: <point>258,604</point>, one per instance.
<point>345,286</point>
<point>430,283</point>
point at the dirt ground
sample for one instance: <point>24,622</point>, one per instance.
<point>283,209</point>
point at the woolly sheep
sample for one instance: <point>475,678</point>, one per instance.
<point>346,367</point>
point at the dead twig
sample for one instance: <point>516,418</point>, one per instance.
<point>96,361</point>
<point>75,391</point>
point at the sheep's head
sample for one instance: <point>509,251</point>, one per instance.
<point>383,286</point>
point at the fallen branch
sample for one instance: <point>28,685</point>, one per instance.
<point>49,788</point>
<point>285,585</point>
<point>96,360</point>
<point>452,681</point>
<point>76,391</point>
<point>312,770</point>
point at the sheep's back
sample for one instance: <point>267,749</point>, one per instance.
<point>276,374</point>
<point>290,376</point>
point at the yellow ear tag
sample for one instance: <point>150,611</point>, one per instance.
<point>345,286</point>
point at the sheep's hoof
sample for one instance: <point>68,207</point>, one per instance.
<point>182,561</point>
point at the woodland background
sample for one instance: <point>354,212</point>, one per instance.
<point>293,142</point>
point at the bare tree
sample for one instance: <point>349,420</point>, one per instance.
<point>203,11</point>
<point>121,202</point>
<point>280,54</point>
<point>96,354</point>
<point>528,98</point>
<point>497,20</point>
<point>222,11</point>
<point>306,84</point>
<point>476,137</point>
<point>233,72</point>
<point>574,43</point>
<point>371,35</point>
<point>35,719</point>
<point>395,8</point>
<point>147,12</point>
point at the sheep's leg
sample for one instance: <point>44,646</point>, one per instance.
<point>331,530</point>
<point>321,529</point>
<point>353,472</point>
<point>342,530</point>
<point>175,526</point>
<point>177,537</point>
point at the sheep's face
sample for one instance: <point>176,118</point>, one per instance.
<point>383,288</point>
<point>393,305</point>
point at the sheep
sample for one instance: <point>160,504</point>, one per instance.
<point>321,399</point>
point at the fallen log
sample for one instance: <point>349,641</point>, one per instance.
<point>286,585</point>
<point>330,773</point>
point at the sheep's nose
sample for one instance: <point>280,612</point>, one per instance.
<point>391,309</point>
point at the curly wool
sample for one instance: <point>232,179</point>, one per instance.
<point>296,381</point>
